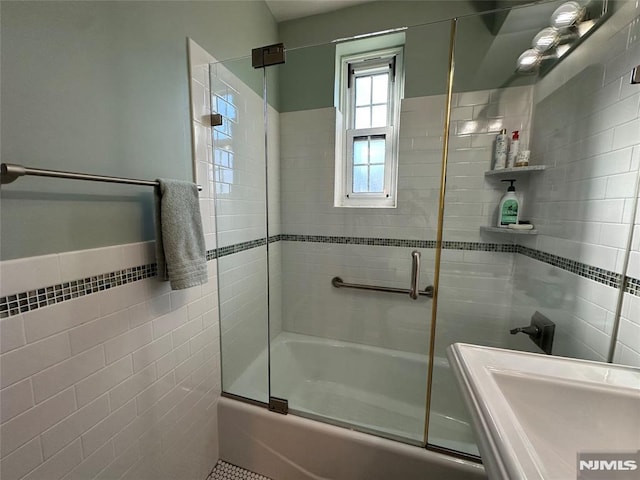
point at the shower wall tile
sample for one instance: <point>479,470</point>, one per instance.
<point>243,315</point>
<point>582,309</point>
<point>307,149</point>
<point>587,133</point>
<point>627,349</point>
<point>312,306</point>
<point>475,299</point>
<point>472,199</point>
<point>89,368</point>
<point>238,160</point>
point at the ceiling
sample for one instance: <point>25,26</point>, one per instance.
<point>283,10</point>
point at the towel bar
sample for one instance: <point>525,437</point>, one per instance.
<point>10,172</point>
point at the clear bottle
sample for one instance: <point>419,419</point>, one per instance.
<point>514,148</point>
<point>509,208</point>
<point>500,154</point>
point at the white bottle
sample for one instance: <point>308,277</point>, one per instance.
<point>509,208</point>
<point>514,148</point>
<point>500,155</point>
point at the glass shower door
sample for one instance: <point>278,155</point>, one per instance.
<point>494,280</point>
<point>352,357</point>
<point>237,174</point>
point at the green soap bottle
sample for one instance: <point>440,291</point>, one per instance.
<point>509,208</point>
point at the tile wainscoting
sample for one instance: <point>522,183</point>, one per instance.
<point>106,373</point>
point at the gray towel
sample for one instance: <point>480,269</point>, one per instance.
<point>180,247</point>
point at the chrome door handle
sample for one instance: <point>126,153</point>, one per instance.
<point>415,275</point>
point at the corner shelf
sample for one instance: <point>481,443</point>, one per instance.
<point>509,171</point>
<point>508,231</point>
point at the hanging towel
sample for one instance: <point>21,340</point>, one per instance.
<point>180,247</point>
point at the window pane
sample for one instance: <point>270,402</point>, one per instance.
<point>360,179</point>
<point>361,151</point>
<point>227,175</point>
<point>376,178</point>
<point>363,91</point>
<point>380,88</point>
<point>363,117</point>
<point>377,150</point>
<point>379,116</point>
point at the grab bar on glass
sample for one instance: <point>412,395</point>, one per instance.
<point>413,292</point>
<point>338,283</point>
<point>415,274</point>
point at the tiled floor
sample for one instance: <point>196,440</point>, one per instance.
<point>226,471</point>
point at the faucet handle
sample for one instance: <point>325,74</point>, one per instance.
<point>531,330</point>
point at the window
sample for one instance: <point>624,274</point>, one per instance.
<point>367,137</point>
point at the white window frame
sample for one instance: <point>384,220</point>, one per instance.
<point>366,63</point>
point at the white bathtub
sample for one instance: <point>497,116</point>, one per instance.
<point>371,389</point>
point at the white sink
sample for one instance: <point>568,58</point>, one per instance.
<point>533,413</point>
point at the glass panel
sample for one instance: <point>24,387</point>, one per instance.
<point>363,117</point>
<point>363,91</point>
<point>238,146</point>
<point>379,116</point>
<point>360,150</point>
<point>377,147</point>
<point>493,280</point>
<point>376,178</point>
<point>360,179</point>
<point>356,358</point>
<point>380,88</point>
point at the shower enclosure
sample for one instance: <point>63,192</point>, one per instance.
<point>295,339</point>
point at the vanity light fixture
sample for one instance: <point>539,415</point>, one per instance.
<point>529,60</point>
<point>569,23</point>
<point>546,39</point>
<point>567,15</point>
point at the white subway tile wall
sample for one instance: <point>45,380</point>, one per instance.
<point>471,200</point>
<point>312,306</point>
<point>628,345</point>
<point>586,131</point>
<point>89,392</point>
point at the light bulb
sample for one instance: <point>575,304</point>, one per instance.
<point>529,60</point>
<point>567,15</point>
<point>546,39</point>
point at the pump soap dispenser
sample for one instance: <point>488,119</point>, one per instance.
<point>509,209</point>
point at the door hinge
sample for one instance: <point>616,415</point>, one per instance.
<point>279,405</point>
<point>216,119</point>
<point>266,56</point>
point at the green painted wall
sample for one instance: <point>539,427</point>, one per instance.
<point>102,87</point>
<point>483,60</point>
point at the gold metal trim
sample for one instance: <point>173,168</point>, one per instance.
<point>443,184</point>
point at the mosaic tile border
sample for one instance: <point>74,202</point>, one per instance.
<point>43,297</point>
<point>632,286</point>
<point>600,275</point>
<point>383,242</point>
<point>240,247</point>
<point>26,301</point>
